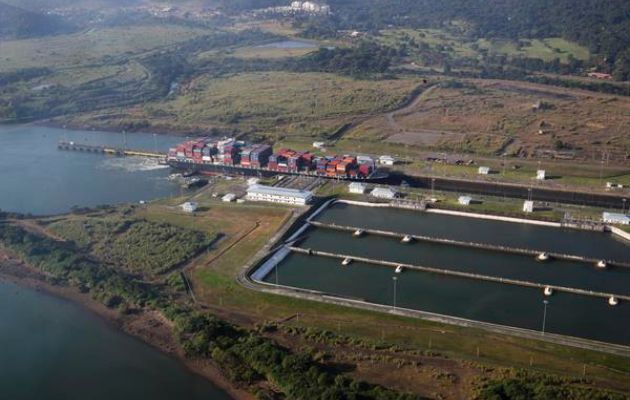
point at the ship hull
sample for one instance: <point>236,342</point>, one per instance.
<point>217,169</point>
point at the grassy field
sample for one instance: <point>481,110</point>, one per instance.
<point>257,52</point>
<point>309,104</point>
<point>89,47</point>
<point>460,47</point>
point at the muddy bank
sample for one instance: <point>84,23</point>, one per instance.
<point>148,325</point>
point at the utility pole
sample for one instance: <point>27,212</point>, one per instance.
<point>395,279</point>
<point>546,302</point>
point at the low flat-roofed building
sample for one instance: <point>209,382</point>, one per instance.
<point>357,188</point>
<point>541,175</point>
<point>615,218</point>
<point>464,200</point>
<point>189,206</point>
<point>386,160</point>
<point>528,206</point>
<point>228,198</point>
<point>383,193</point>
<point>484,170</point>
<point>279,195</point>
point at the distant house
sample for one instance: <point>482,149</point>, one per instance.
<point>615,218</point>
<point>464,200</point>
<point>357,188</point>
<point>383,193</point>
<point>599,75</point>
<point>386,160</point>
<point>541,175</point>
<point>319,145</point>
<point>484,170</point>
<point>528,206</point>
<point>189,206</point>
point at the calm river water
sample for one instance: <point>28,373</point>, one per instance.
<point>51,348</point>
<point>37,178</point>
<point>511,305</point>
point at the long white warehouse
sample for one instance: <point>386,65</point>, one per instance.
<point>279,195</point>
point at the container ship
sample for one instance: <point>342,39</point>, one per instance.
<point>207,156</point>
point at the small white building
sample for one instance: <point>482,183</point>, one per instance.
<point>528,206</point>
<point>464,200</point>
<point>383,193</point>
<point>189,206</point>
<point>484,170</point>
<point>319,145</point>
<point>357,188</point>
<point>611,185</point>
<point>279,195</point>
<point>228,198</point>
<point>615,218</point>
<point>386,160</point>
<point>540,175</point>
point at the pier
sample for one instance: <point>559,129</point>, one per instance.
<point>483,246</point>
<point>115,151</point>
<point>460,274</point>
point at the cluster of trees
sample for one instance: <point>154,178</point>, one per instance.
<point>138,246</point>
<point>66,264</point>
<point>543,387</point>
<point>365,59</point>
<point>247,357</point>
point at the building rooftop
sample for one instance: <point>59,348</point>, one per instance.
<point>617,217</point>
<point>279,191</point>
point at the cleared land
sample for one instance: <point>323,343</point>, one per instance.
<point>495,117</point>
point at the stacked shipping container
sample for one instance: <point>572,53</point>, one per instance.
<point>235,153</point>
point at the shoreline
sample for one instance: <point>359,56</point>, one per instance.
<point>149,326</point>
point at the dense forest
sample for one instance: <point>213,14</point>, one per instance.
<point>601,25</point>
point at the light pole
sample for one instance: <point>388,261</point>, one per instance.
<point>395,279</point>
<point>546,302</point>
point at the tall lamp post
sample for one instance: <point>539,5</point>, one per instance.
<point>395,279</point>
<point>546,302</point>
